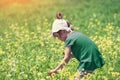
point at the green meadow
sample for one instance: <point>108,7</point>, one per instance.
<point>28,50</point>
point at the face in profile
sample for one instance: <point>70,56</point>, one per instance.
<point>61,35</point>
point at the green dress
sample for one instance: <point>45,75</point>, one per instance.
<point>85,51</point>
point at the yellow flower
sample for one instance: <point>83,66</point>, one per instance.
<point>53,75</point>
<point>118,39</point>
<point>111,69</point>
<point>115,74</point>
<point>42,79</point>
<point>48,77</point>
<point>39,74</point>
<point>1,52</point>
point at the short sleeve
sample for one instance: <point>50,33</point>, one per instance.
<point>69,42</point>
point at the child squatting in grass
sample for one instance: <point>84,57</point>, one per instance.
<point>77,45</point>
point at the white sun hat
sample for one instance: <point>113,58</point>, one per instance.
<point>60,24</point>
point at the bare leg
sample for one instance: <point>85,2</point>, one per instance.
<point>82,74</point>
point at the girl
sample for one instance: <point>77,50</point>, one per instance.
<point>82,48</point>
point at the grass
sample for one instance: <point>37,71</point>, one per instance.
<point>28,51</point>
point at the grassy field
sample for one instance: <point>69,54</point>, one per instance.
<point>28,51</point>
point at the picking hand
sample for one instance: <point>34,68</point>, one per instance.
<point>52,71</point>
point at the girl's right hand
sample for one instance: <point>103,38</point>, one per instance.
<point>52,71</point>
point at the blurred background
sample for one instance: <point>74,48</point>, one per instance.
<point>78,12</point>
<point>28,50</point>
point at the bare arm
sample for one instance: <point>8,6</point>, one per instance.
<point>65,60</point>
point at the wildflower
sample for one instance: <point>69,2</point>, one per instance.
<point>110,69</point>
<point>53,75</point>
<point>39,74</point>
<point>115,74</point>
<point>1,52</point>
<point>118,38</point>
<point>48,77</point>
